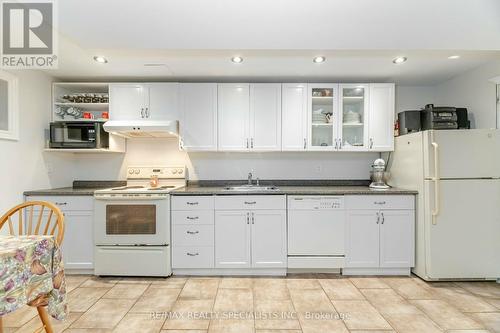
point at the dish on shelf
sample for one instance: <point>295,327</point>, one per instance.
<point>70,111</point>
<point>352,117</point>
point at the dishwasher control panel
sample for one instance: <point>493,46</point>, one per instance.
<point>313,202</point>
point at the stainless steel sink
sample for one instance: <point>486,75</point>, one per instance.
<point>250,188</point>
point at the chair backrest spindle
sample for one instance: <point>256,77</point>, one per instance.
<point>30,208</point>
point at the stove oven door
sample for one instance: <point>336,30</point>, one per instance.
<point>134,221</point>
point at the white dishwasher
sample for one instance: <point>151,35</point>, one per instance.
<point>316,232</point>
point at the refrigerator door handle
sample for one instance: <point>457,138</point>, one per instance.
<point>435,211</point>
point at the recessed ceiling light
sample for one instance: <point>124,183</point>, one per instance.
<point>237,60</point>
<point>319,59</point>
<point>100,59</point>
<point>399,60</point>
<point>454,57</point>
<point>155,65</point>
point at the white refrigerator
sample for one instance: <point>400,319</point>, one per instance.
<point>457,175</point>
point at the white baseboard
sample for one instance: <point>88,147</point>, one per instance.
<point>230,271</point>
<point>314,270</point>
<point>376,271</point>
<point>73,271</point>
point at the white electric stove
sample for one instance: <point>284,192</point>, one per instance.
<point>132,223</point>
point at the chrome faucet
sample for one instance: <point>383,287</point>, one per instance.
<point>250,179</point>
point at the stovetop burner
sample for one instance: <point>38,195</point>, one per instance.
<point>127,188</point>
<point>139,180</point>
<point>160,188</point>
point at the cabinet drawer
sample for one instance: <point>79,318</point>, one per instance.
<point>245,202</point>
<point>192,202</point>
<point>195,217</point>
<point>192,257</point>
<point>193,235</point>
<point>380,202</point>
<point>67,203</point>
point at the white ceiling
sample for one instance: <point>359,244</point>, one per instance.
<point>195,39</point>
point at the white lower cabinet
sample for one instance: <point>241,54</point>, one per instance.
<point>397,238</point>
<point>254,239</point>
<point>268,238</point>
<point>78,243</point>
<point>232,239</point>
<point>379,241</point>
<point>362,243</point>
<point>250,232</point>
<point>192,232</point>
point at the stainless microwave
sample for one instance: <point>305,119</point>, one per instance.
<point>78,135</point>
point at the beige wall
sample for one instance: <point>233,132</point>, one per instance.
<point>475,91</point>
<point>23,164</point>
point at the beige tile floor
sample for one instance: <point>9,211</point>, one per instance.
<point>298,303</point>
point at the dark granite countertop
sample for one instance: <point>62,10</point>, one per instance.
<point>78,188</point>
<point>315,187</point>
<point>301,187</point>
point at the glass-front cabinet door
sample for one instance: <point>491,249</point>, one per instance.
<point>353,114</point>
<point>323,117</point>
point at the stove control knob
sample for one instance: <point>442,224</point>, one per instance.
<point>174,171</point>
<point>180,171</point>
<point>130,171</point>
<point>136,171</point>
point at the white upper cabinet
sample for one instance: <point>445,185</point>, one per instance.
<point>163,101</point>
<point>233,116</point>
<point>381,117</point>
<point>198,116</point>
<point>323,119</point>
<point>354,106</point>
<point>157,101</point>
<point>249,117</point>
<point>294,116</point>
<point>265,117</point>
<point>127,101</point>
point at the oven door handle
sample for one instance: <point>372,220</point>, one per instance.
<point>129,198</point>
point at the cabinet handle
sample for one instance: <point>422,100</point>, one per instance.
<point>61,203</point>
<point>305,143</point>
<point>142,112</point>
<point>371,143</point>
<point>192,217</point>
<point>147,112</point>
<point>383,218</point>
<point>340,143</point>
<point>248,218</point>
<point>247,144</point>
<point>378,217</point>
<point>253,218</point>
<point>193,254</point>
<point>193,232</point>
<point>379,202</point>
<point>435,210</point>
<point>251,143</point>
<point>336,144</point>
<point>250,202</point>
<point>192,203</point>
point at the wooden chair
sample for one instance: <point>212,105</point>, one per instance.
<point>20,221</point>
